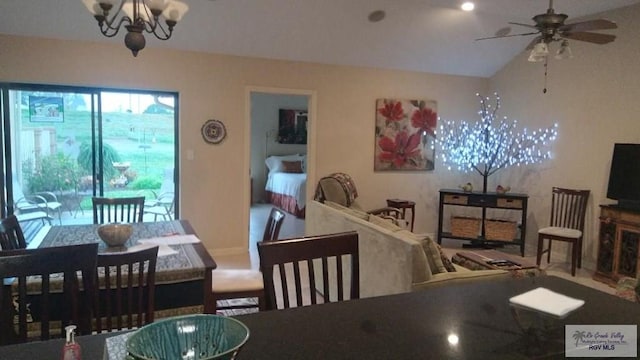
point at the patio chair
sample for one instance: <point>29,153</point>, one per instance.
<point>165,195</point>
<point>41,205</point>
<point>161,206</point>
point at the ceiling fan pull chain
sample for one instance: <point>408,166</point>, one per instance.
<point>546,61</point>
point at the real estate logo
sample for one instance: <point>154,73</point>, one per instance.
<point>601,341</point>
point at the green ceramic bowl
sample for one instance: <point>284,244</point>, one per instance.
<point>196,337</point>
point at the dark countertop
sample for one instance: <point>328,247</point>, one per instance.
<point>406,326</point>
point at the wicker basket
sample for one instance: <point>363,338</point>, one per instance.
<point>465,226</point>
<point>501,230</point>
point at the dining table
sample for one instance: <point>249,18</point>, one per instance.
<point>456,321</point>
<point>183,268</point>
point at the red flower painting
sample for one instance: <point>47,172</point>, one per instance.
<point>392,111</point>
<point>402,151</point>
<point>405,134</point>
<point>425,119</point>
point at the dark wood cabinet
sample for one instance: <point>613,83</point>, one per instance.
<point>618,244</point>
<point>484,201</point>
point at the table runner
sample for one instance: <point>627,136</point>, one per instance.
<point>185,265</point>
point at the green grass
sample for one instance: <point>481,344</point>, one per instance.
<point>144,140</point>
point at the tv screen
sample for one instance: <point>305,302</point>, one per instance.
<point>624,176</point>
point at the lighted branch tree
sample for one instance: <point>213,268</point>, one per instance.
<point>491,144</point>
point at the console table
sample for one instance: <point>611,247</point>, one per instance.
<point>618,244</point>
<point>484,201</point>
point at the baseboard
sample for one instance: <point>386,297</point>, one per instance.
<point>228,251</point>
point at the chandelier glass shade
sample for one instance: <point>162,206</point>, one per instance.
<point>157,17</point>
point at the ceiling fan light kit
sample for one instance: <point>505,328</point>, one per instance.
<point>137,16</point>
<point>539,52</point>
<point>564,52</point>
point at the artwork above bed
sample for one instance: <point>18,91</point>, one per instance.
<point>287,183</point>
<point>292,126</point>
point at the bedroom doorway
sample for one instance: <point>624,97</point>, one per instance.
<point>271,110</point>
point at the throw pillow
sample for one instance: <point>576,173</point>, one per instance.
<point>433,256</point>
<point>445,260</point>
<point>292,166</point>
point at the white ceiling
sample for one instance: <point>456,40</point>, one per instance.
<point>420,35</point>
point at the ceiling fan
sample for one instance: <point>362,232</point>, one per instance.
<point>551,27</point>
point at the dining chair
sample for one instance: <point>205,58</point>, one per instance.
<point>46,272</point>
<point>125,294</point>
<point>124,210</point>
<point>11,235</point>
<point>310,270</point>
<point>230,284</point>
<point>568,209</point>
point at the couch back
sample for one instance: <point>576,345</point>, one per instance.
<point>391,260</point>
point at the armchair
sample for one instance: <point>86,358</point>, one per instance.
<point>340,188</point>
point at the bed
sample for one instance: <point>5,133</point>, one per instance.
<point>287,183</point>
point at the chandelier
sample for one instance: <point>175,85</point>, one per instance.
<point>137,16</point>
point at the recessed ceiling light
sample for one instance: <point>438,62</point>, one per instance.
<point>467,6</point>
<point>377,15</point>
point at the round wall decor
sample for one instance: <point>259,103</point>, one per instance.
<point>213,131</point>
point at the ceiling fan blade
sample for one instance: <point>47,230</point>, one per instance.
<point>599,24</point>
<point>506,36</point>
<point>590,37</point>
<point>521,24</point>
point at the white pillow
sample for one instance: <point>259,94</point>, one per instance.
<point>274,163</point>
<point>304,162</point>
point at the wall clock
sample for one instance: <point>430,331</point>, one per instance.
<point>213,131</point>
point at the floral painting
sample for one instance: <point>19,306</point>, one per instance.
<point>405,134</point>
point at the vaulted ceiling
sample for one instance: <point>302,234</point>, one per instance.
<point>419,35</point>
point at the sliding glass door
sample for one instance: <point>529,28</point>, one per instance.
<point>64,145</point>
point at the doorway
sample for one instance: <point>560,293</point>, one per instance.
<point>267,141</point>
<point>66,144</point>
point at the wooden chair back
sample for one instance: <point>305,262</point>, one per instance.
<point>18,269</point>
<point>274,223</point>
<point>11,235</point>
<point>318,269</point>
<point>121,210</point>
<point>568,208</point>
<point>125,296</point>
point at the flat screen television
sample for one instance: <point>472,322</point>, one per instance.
<point>624,176</point>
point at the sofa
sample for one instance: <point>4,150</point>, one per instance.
<point>392,259</point>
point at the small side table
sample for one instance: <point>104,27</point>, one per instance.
<point>404,205</point>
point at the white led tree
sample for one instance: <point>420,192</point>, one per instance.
<point>491,144</point>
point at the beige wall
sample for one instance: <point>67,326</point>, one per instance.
<point>594,99</point>
<point>215,185</point>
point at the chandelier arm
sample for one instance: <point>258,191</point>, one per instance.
<point>104,29</point>
<point>114,14</point>
<point>163,34</point>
